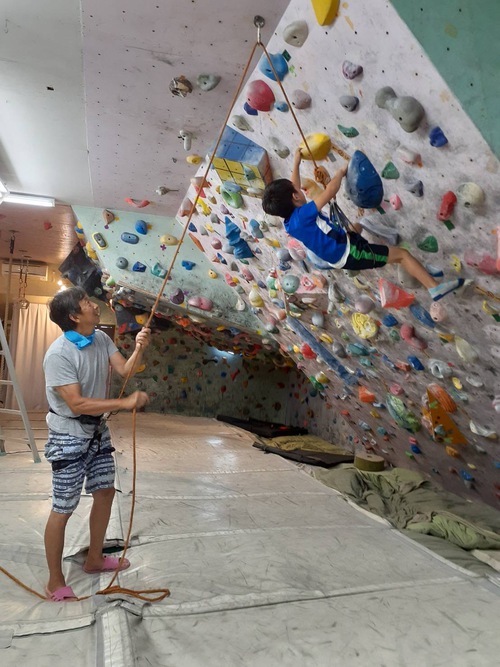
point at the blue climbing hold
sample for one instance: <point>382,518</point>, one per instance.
<point>221,258</point>
<point>255,229</point>
<point>415,449</point>
<point>140,268</point>
<point>127,237</point>
<point>363,184</point>
<point>141,227</point>
<point>192,227</point>
<point>281,106</point>
<point>187,264</point>
<point>250,110</point>
<point>415,363</point>
<point>278,62</point>
<point>241,247</point>
<point>422,315</point>
<point>389,320</point>
<point>437,137</point>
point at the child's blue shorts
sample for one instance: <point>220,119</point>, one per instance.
<point>75,459</point>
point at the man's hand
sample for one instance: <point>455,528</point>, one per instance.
<point>136,400</point>
<point>143,338</point>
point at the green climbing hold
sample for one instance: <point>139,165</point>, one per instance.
<point>350,132</point>
<point>448,224</point>
<point>429,244</point>
<point>395,335</point>
<point>401,415</point>
<point>390,171</point>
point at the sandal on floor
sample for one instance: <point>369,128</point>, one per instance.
<point>63,594</point>
<point>109,564</point>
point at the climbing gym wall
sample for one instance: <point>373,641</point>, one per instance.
<point>414,380</point>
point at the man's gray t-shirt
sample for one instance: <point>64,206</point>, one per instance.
<point>65,364</point>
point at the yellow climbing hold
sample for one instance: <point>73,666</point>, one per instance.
<point>319,145</point>
<point>212,274</point>
<point>360,284</point>
<point>194,159</point>
<point>344,309</point>
<point>488,309</point>
<point>90,251</point>
<point>168,239</point>
<point>255,298</point>
<point>325,10</point>
<point>206,210</point>
<point>142,367</point>
<point>465,350</point>
<point>141,319</point>
<point>326,338</point>
<point>456,383</point>
<point>375,413</point>
<point>296,349</point>
<point>456,263</point>
<point>321,377</point>
<point>274,243</point>
<point>364,326</point>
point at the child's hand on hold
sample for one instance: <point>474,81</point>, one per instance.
<point>297,158</point>
<point>343,170</point>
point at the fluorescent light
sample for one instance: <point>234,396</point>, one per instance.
<point>31,200</point>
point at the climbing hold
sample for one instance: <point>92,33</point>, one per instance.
<point>241,123</point>
<point>439,369</point>
<point>279,147</point>
<point>482,262</point>
<point>409,336</point>
<point>437,137</point>
<point>231,194</point>
<point>278,63</point>
<point>122,262</point>
<point>443,397</point>
<point>422,315</point>
<point>396,389</point>
<point>290,283</point>
<point>296,33</point>
<point>194,159</point>
<point>470,195</point>
<point>250,110</point>
<point>358,350</point>
<point>296,249</point>
<point>260,96</point>
<point>407,111</point>
<point>409,156</point>
<point>351,70</point>
<point>484,431</point>
<point>415,363</point>
<point>186,207</point>
<point>137,203</point>
<point>318,319</point>
<point>158,271</point>
<point>392,296</point>
<point>180,86</point>
<point>429,244</point>
<point>389,320</point>
<point>443,428</point>
<point>349,102</point>
<point>201,302</point>
<point>465,350</point>
<point>127,237</point>
<point>389,235</point>
<point>365,395</point>
<point>364,304</point>
<point>438,312</point>
<point>108,216</point>
<point>281,106</point>
<point>141,227</point>
<point>363,184</point>
<point>207,81</point>
<point>307,352</point>
<point>364,326</point>
<point>319,146</point>
<point>350,132</point>
<point>177,297</point>
<point>187,264</point>
<point>447,205</point>
<point>255,298</point>
<point>139,267</point>
<point>300,99</point>
<point>168,239</point>
<point>395,202</point>
<point>401,415</point>
<point>415,187</point>
<point>390,171</point>
<point>339,349</point>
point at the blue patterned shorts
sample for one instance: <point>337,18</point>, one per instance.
<point>75,459</point>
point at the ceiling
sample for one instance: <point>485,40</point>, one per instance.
<point>86,113</point>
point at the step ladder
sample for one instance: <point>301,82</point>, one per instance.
<point>29,440</point>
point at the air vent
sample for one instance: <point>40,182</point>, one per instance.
<point>35,269</point>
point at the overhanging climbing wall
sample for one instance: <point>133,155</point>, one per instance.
<point>416,388</point>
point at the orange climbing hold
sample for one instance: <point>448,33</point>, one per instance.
<point>365,395</point>
<point>392,296</point>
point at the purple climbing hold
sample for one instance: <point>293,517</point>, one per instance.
<point>177,297</point>
<point>351,70</point>
<point>437,137</point>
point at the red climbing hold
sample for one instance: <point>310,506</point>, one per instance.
<point>447,205</point>
<point>137,203</point>
<point>392,296</point>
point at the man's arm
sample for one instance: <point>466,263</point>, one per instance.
<point>72,396</point>
<point>295,177</point>
<point>331,189</point>
<point>121,365</point>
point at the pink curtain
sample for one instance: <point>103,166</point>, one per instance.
<point>32,334</point>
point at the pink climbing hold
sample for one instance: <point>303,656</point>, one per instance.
<point>447,205</point>
<point>396,389</point>
<point>482,261</point>
<point>260,96</point>
<point>392,296</point>
<point>186,207</point>
<point>396,202</point>
<point>47,226</point>
<point>137,203</point>
<point>408,335</point>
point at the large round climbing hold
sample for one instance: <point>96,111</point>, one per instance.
<point>260,96</point>
<point>319,145</point>
<point>442,397</point>
<point>290,284</point>
<point>364,326</point>
<point>363,184</point>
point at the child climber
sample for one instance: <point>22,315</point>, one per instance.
<point>341,249</point>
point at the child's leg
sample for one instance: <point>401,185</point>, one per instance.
<point>411,265</point>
